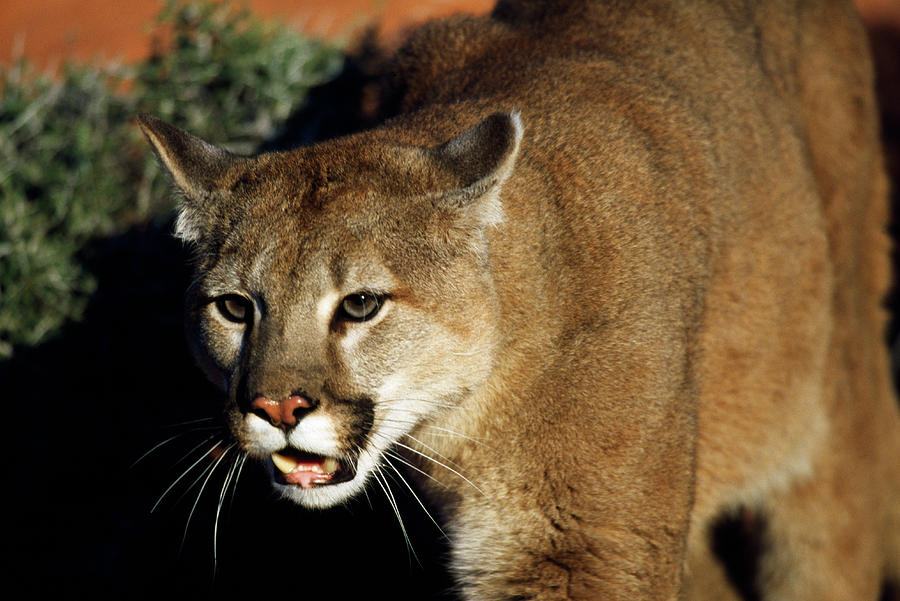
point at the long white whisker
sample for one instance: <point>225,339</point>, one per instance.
<point>203,473</point>
<point>156,446</point>
<point>432,449</point>
<point>224,490</point>
<point>215,464</point>
<point>187,471</point>
<point>184,457</point>
<point>445,432</point>
<point>170,439</point>
<point>244,458</point>
<point>359,452</point>
<point>415,496</point>
<point>385,486</point>
<point>457,434</point>
<point>405,462</point>
<point>443,465</point>
<point>429,458</point>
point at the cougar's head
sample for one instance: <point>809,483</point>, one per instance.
<point>342,293</point>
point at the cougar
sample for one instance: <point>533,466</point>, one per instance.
<point>604,273</point>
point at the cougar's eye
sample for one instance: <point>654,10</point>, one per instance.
<point>360,306</point>
<point>234,308</point>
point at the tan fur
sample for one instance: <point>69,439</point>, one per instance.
<point>632,259</point>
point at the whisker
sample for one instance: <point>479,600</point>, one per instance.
<point>225,485</point>
<point>206,470</point>
<point>433,450</point>
<point>167,441</point>
<point>212,469</point>
<point>237,478</point>
<point>405,462</point>
<point>190,422</point>
<point>451,433</point>
<point>359,451</point>
<point>429,458</point>
<point>381,478</point>
<point>156,446</point>
<point>443,465</point>
<point>202,442</point>
<point>415,496</point>
<point>187,471</point>
<point>446,433</point>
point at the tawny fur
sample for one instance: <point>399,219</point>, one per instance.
<point>646,291</point>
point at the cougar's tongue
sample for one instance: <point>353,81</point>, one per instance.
<point>305,470</point>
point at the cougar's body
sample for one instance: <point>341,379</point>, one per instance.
<point>608,272</point>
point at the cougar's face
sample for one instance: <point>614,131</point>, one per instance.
<point>343,294</point>
<point>335,335</point>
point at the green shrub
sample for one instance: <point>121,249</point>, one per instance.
<point>73,167</point>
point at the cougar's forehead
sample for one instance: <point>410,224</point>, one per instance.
<point>300,254</point>
<point>307,225</point>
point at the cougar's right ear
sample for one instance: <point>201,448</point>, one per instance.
<point>198,169</point>
<point>482,158</point>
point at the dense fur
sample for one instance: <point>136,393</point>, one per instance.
<point>629,258</point>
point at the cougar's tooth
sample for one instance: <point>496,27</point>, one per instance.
<point>330,465</point>
<point>285,464</point>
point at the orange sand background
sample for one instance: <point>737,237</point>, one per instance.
<point>51,31</point>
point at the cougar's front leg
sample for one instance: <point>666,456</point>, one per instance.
<point>589,500</point>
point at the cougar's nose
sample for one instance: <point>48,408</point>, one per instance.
<point>283,414</point>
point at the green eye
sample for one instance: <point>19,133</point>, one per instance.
<point>360,306</point>
<point>234,308</point>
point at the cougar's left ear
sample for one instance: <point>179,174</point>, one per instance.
<point>198,169</point>
<point>482,157</point>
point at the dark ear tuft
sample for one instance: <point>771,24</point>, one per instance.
<point>198,169</point>
<point>482,157</point>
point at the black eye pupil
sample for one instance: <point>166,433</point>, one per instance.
<point>361,306</point>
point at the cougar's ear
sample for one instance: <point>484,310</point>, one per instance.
<point>482,157</point>
<point>198,169</point>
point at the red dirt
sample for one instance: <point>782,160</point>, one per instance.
<point>51,31</point>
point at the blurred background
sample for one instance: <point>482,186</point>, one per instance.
<point>106,418</point>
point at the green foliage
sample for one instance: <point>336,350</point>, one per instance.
<point>246,74</point>
<point>73,167</point>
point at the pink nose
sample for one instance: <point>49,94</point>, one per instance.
<point>280,413</point>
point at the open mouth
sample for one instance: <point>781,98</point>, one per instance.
<point>308,470</point>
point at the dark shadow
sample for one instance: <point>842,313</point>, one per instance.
<point>737,540</point>
<point>82,408</point>
<point>346,104</point>
<point>885,43</point>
